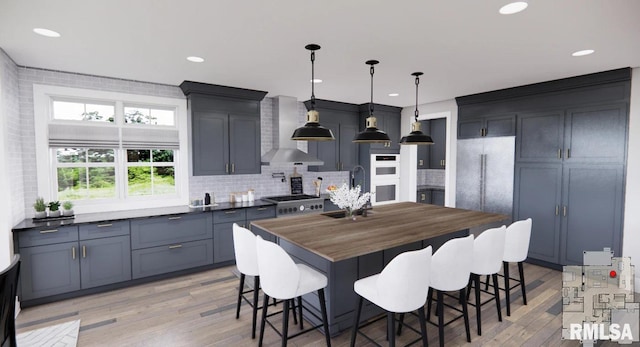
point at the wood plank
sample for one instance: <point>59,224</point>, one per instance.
<point>386,227</point>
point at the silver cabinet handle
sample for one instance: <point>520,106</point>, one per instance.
<point>564,211</point>
<point>420,162</point>
<point>557,210</point>
<point>262,208</point>
<point>105,225</point>
<point>230,212</point>
<point>226,168</point>
<point>423,197</point>
<point>568,153</point>
<point>559,153</point>
<point>175,246</point>
<point>48,231</point>
<point>174,218</point>
<point>233,168</point>
<point>73,252</point>
<point>84,251</point>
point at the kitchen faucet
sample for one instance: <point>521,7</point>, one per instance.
<point>353,176</point>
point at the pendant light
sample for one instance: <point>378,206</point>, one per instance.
<point>371,134</point>
<point>416,137</point>
<point>312,130</point>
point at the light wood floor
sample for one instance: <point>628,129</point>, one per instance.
<point>199,310</point>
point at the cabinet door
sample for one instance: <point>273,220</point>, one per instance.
<point>244,144</point>
<point>50,270</point>
<point>470,128</point>
<point>437,197</point>
<point>537,196</point>
<point>439,147</point>
<point>210,143</point>
<point>348,150</point>
<point>223,243</point>
<point>592,196</point>
<point>392,128</point>
<point>500,126</point>
<point>327,151</point>
<point>105,261</point>
<point>596,134</point>
<point>540,137</point>
<point>423,150</point>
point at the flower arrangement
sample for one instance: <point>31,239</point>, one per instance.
<point>348,199</point>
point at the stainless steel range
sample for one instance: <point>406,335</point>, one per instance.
<point>290,205</point>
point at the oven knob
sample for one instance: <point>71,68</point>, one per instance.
<point>280,211</point>
<point>313,207</point>
<point>301,208</point>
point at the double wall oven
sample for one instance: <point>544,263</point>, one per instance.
<point>385,179</point>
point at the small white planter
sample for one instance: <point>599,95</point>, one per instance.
<point>41,214</point>
<point>67,212</point>
<point>54,214</point>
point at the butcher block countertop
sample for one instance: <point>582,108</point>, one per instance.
<point>385,227</point>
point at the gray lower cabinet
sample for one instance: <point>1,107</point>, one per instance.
<point>223,233</point>
<point>49,270</point>
<point>169,258</point>
<point>575,208</point>
<point>171,243</point>
<point>431,196</point>
<point>67,259</point>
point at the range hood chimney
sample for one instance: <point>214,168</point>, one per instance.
<point>285,122</point>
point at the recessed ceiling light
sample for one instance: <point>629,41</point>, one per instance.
<point>316,80</point>
<point>582,52</point>
<point>195,59</point>
<point>393,94</point>
<point>46,32</point>
<point>513,7</point>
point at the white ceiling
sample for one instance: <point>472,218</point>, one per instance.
<point>462,46</point>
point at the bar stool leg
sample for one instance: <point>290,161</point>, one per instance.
<point>423,326</point>
<point>400,321</point>
<point>522,285</point>
<point>285,323</point>
<point>391,324</point>
<point>300,312</point>
<point>507,289</point>
<point>240,295</point>
<point>256,286</point>
<point>429,299</point>
<point>293,310</point>
<point>325,321</point>
<point>264,318</point>
<point>465,314</point>
<point>356,321</point>
<point>497,295</point>
<point>476,278</point>
<point>440,309</point>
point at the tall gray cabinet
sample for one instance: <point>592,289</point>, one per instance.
<point>571,138</point>
<point>225,128</point>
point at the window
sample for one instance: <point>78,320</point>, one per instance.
<point>110,151</point>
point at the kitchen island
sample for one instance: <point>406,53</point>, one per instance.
<point>346,250</point>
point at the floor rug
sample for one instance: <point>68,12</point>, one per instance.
<point>59,335</point>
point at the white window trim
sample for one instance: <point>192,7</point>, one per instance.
<point>42,95</point>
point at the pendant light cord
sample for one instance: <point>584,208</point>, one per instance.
<point>371,71</point>
<point>313,96</point>
<point>416,112</point>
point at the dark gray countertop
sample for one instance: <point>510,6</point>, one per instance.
<point>142,213</point>
<point>423,187</point>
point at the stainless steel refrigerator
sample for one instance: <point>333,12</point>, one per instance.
<point>484,177</point>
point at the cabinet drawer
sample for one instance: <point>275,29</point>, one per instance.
<point>232,215</point>
<point>104,229</point>
<point>164,259</point>
<point>47,236</point>
<point>167,230</point>
<point>264,212</point>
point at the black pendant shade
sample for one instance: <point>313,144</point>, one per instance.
<point>312,130</point>
<point>416,137</point>
<point>372,134</point>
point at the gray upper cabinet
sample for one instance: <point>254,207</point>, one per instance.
<point>594,134</point>
<point>341,154</point>
<point>225,128</point>
<point>487,126</point>
<point>423,151</point>
<point>438,151</point>
<point>388,119</point>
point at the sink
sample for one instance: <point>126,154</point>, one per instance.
<point>342,214</point>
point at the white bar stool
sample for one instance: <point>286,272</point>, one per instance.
<point>488,249</point>
<point>401,287</point>
<point>285,280</point>
<point>450,271</point>
<point>244,246</point>
<point>516,248</point>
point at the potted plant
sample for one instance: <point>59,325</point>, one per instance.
<point>54,207</point>
<point>41,208</point>
<point>67,208</point>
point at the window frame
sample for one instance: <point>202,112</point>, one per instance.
<point>46,163</point>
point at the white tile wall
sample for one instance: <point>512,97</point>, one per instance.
<point>221,186</point>
<point>430,177</point>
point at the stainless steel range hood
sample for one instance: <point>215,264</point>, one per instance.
<point>285,121</point>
